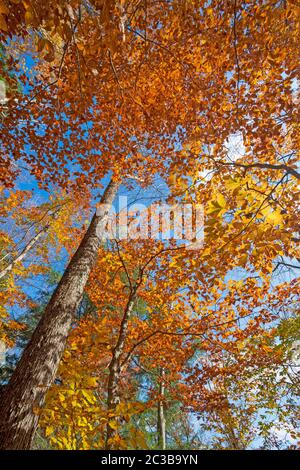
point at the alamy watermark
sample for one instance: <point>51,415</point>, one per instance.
<point>158,221</point>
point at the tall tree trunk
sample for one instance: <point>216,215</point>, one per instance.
<point>27,248</point>
<point>23,253</point>
<point>113,393</point>
<point>161,420</point>
<point>38,365</point>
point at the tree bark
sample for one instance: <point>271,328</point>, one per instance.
<point>39,362</point>
<point>18,258</point>
<point>161,420</point>
<point>24,252</point>
<point>113,394</point>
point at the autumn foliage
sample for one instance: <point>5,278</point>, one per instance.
<point>137,343</point>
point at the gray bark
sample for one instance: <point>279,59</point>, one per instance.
<point>161,420</point>
<point>38,365</point>
<point>18,258</point>
<point>24,252</point>
<point>115,367</point>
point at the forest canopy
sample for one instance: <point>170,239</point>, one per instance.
<point>149,188</point>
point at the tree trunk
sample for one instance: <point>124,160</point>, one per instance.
<point>39,362</point>
<point>27,248</point>
<point>161,420</point>
<point>113,395</point>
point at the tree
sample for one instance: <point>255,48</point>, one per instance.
<point>178,82</point>
<point>39,362</point>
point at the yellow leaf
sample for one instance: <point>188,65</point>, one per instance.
<point>221,200</point>
<point>88,396</point>
<point>240,345</point>
<point>275,218</point>
<point>113,425</point>
<point>49,430</point>
<point>92,381</point>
